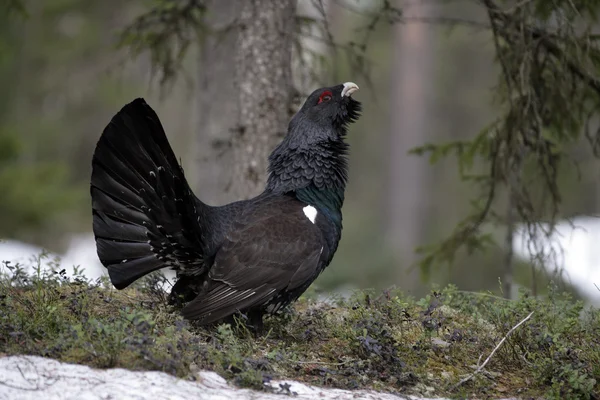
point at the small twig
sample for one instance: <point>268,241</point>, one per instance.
<point>597,287</point>
<point>325,363</point>
<point>448,21</point>
<point>482,366</point>
<point>483,294</point>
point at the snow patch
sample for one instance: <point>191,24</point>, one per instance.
<point>34,378</point>
<point>572,252</point>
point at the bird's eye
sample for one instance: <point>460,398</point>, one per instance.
<point>325,96</point>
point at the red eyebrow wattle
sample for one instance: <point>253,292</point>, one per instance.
<point>325,93</point>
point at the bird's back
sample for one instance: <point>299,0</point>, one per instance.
<point>272,248</point>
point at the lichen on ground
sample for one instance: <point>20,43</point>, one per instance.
<point>384,341</point>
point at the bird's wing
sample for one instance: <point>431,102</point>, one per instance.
<point>259,259</point>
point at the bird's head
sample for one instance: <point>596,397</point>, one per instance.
<point>313,153</point>
<point>325,114</point>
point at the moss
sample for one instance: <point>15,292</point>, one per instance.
<point>386,341</point>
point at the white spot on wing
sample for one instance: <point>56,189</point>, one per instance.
<point>311,213</point>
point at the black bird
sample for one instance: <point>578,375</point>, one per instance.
<point>252,256</point>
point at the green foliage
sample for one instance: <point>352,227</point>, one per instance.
<point>381,341</point>
<point>165,30</point>
<point>32,193</point>
<point>558,345</point>
<point>13,7</point>
<point>233,354</point>
<point>547,97</point>
<point>57,95</point>
<point>76,321</point>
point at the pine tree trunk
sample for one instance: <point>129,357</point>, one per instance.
<point>244,95</point>
<point>264,82</point>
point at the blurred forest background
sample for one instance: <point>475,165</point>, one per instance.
<point>424,78</point>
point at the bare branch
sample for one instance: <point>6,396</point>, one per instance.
<point>482,366</point>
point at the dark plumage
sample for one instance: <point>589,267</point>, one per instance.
<point>253,256</point>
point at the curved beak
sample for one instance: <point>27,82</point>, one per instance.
<point>349,88</point>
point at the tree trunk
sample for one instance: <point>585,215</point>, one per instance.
<point>409,175</point>
<point>244,95</point>
<point>216,103</point>
<point>264,82</point>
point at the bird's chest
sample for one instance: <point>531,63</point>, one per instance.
<point>326,227</point>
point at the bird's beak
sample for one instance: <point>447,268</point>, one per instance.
<point>349,88</point>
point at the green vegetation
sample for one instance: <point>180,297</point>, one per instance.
<point>57,69</point>
<point>546,100</point>
<point>385,341</point>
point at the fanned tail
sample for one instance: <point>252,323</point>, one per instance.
<point>145,215</point>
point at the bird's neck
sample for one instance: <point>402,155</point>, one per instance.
<point>329,202</point>
<point>316,174</point>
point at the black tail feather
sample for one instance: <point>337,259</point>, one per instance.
<point>141,201</point>
<point>123,275</point>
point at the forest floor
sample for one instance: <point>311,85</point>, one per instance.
<point>449,343</point>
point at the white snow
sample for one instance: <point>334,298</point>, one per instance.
<point>573,252</point>
<point>80,254</point>
<point>35,378</point>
